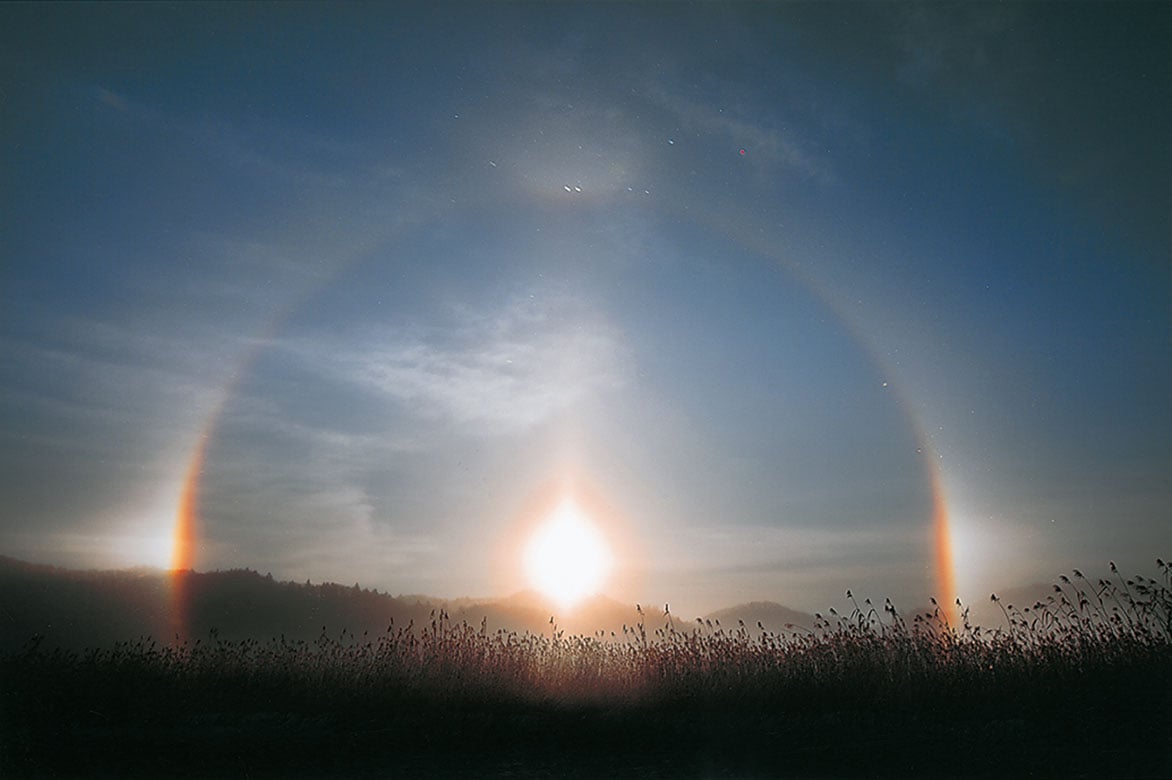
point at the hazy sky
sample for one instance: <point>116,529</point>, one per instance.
<point>742,277</point>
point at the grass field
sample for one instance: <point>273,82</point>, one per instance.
<point>1077,686</point>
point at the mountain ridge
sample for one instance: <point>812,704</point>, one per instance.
<point>84,608</point>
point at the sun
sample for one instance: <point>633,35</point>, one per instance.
<point>567,558</point>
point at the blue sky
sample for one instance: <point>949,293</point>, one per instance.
<point>743,274</point>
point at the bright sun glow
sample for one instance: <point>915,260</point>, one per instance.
<point>567,558</point>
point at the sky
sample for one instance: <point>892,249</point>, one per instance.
<point>785,296</point>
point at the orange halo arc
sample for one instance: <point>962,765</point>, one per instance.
<point>185,542</point>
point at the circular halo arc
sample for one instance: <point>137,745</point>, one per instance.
<point>186,538</point>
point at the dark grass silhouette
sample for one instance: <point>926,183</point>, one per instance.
<point>1079,685</point>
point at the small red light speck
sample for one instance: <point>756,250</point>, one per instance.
<point>742,153</point>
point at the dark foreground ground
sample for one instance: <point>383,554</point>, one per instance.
<point>113,718</point>
<point>1076,686</point>
<point>583,744</point>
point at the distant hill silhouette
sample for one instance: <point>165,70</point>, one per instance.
<point>771,615</point>
<point>75,609</point>
<point>78,609</point>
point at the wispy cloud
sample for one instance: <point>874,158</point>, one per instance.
<point>98,373</point>
<point>770,145</point>
<point>503,372</point>
<point>278,151</point>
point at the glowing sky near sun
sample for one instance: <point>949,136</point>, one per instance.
<point>812,296</point>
